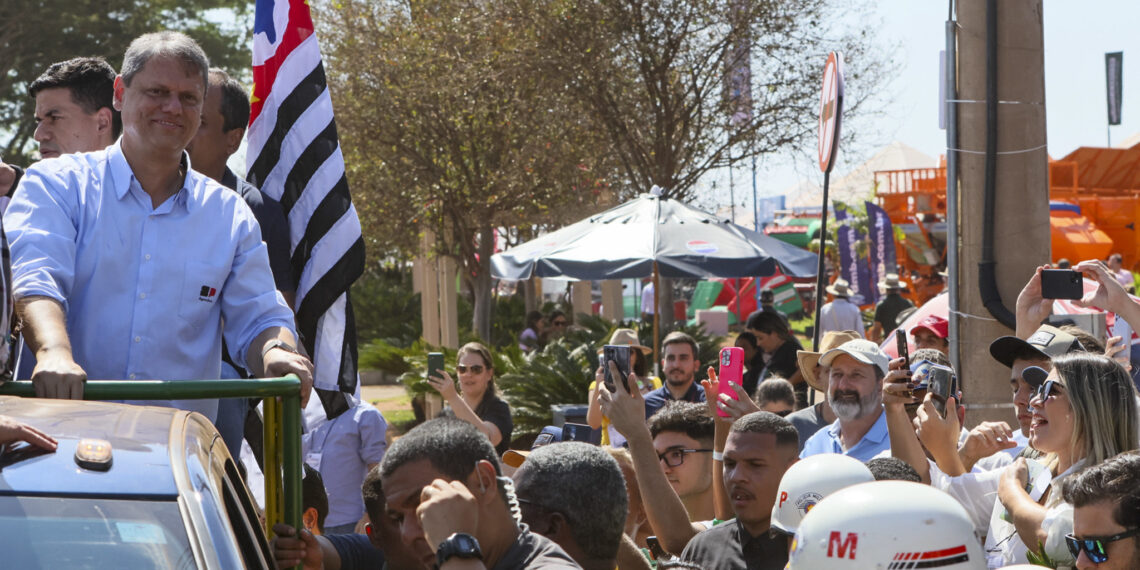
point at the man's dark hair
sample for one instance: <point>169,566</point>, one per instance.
<point>585,485</point>
<point>767,422</point>
<point>235,100</point>
<point>452,446</point>
<point>892,469</point>
<point>748,338</point>
<point>372,491</point>
<point>679,337</point>
<point>1116,481</point>
<point>313,495</point>
<point>775,390</point>
<point>932,354</point>
<point>689,418</point>
<point>91,81</point>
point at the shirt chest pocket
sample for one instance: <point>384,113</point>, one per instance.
<point>201,292</point>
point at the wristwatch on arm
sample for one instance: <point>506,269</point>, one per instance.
<point>277,343</point>
<point>458,545</point>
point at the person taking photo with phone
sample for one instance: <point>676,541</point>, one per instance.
<point>476,401</point>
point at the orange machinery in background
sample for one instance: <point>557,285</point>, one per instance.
<point>1094,206</point>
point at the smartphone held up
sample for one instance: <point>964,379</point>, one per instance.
<point>731,370</point>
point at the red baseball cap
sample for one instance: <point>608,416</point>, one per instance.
<point>935,324</point>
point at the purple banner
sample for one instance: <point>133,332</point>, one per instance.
<point>882,244</point>
<point>851,268</point>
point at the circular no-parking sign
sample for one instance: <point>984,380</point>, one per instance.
<point>830,110</point>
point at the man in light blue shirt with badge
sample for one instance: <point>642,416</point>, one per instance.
<point>855,393</point>
<point>127,264</point>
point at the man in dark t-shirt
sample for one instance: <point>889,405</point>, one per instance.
<point>888,309</point>
<point>760,448</point>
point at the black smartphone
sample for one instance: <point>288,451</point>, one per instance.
<point>577,432</point>
<point>904,352</point>
<point>655,548</point>
<point>1062,284</point>
<point>942,383</point>
<point>901,346</point>
<point>435,365</point>
<point>619,353</point>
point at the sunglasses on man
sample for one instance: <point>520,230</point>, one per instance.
<point>1094,546</point>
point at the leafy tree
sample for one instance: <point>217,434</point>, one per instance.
<point>449,122</point>
<point>653,74</point>
<point>36,33</point>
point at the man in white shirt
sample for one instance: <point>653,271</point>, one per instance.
<point>840,314</point>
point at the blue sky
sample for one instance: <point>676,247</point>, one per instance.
<point>1077,35</point>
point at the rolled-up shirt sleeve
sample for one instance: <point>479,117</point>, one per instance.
<point>40,223</point>
<point>250,300</point>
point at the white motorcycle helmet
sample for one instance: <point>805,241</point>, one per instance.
<point>808,481</point>
<point>887,525</point>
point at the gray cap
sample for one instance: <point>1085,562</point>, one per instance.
<point>1046,343</point>
<point>864,351</point>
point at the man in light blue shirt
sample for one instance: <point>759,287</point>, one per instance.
<point>344,450</point>
<point>128,264</point>
<point>855,393</point>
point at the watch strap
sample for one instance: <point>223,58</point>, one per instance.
<point>458,545</point>
<point>277,343</point>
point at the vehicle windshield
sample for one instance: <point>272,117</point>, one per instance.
<point>72,533</point>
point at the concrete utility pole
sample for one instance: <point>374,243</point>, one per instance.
<point>1021,213</point>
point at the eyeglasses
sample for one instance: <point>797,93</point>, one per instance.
<point>1094,546</point>
<point>559,323</point>
<point>474,368</point>
<point>676,457</point>
<point>1045,390</point>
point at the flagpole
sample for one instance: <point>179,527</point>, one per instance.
<point>819,276</point>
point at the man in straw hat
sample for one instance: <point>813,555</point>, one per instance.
<point>840,314</point>
<point>811,419</point>
<point>888,309</point>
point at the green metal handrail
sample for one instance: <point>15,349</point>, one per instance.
<point>282,424</point>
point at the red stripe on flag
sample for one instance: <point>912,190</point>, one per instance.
<point>299,28</point>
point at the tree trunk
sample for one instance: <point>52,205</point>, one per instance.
<point>481,286</point>
<point>530,294</point>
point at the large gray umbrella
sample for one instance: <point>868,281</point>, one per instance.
<point>656,236</point>
<point>628,240</point>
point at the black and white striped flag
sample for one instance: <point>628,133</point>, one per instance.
<point>294,156</point>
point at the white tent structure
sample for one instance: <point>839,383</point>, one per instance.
<point>858,184</point>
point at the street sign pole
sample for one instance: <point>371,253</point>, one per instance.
<point>830,120</point>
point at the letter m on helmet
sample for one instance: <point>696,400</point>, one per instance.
<point>838,546</point>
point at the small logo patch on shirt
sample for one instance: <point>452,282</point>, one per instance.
<point>207,294</point>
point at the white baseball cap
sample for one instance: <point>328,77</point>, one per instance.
<point>862,350</point>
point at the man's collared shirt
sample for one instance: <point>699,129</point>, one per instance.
<point>874,441</point>
<point>656,399</point>
<point>146,290</point>
<point>840,315</point>
<point>728,546</point>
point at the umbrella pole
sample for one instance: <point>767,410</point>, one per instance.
<point>819,276</point>
<point>656,318</point>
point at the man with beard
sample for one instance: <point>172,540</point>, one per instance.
<point>680,364</point>
<point>854,391</point>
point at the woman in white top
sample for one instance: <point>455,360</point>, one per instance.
<point>1084,413</point>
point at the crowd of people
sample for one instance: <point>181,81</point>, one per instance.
<point>141,255</point>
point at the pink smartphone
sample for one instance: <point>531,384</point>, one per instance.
<point>731,370</point>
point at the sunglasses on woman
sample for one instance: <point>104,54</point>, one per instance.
<point>474,368</point>
<point>1094,546</point>
<point>1047,389</point>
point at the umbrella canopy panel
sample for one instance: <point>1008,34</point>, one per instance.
<point>625,241</point>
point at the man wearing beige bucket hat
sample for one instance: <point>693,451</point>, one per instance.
<point>639,366</point>
<point>810,419</point>
<point>888,309</point>
<point>840,314</point>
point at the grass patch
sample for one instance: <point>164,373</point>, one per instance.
<point>397,418</point>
